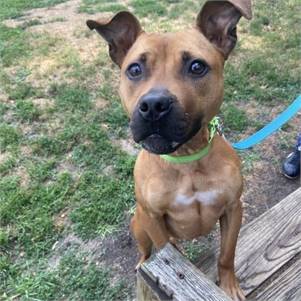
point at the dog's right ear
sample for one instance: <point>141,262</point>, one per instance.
<point>120,32</point>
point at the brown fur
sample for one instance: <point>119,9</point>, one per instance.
<point>159,218</point>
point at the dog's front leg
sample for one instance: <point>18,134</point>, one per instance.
<point>148,229</point>
<point>230,224</point>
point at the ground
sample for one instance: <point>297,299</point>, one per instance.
<point>66,156</point>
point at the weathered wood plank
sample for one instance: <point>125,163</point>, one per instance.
<point>267,243</point>
<point>287,287</point>
<point>179,278</point>
<point>148,290</point>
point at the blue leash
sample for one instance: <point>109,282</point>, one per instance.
<point>271,127</point>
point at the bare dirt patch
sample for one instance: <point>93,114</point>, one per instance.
<point>100,103</point>
<point>61,220</point>
<point>118,252</point>
<point>3,96</point>
<point>71,26</point>
<point>4,156</point>
<point>43,103</point>
<point>127,146</point>
<point>265,185</point>
<point>72,43</point>
<point>23,175</point>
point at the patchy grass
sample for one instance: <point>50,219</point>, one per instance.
<point>235,118</point>
<point>14,45</point>
<point>194,249</point>
<point>72,98</point>
<point>9,137</point>
<point>74,278</point>
<point>94,6</point>
<point>30,23</point>
<point>60,117</point>
<point>146,8</point>
<point>101,202</point>
<point>15,8</point>
<point>26,111</point>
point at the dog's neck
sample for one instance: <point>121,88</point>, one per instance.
<point>195,144</point>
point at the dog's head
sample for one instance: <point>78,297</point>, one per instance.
<point>172,84</point>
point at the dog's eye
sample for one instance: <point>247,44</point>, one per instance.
<point>134,71</point>
<point>198,68</point>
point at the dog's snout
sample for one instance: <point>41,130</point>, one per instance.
<point>155,105</point>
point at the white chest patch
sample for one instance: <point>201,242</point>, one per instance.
<point>204,197</point>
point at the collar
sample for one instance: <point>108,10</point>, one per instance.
<point>213,127</point>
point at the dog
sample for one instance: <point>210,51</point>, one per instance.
<point>171,86</point>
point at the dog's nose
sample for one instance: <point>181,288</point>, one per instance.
<point>155,105</point>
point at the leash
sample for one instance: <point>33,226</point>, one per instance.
<point>271,127</point>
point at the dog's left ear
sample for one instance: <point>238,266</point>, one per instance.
<point>120,32</point>
<point>217,21</point>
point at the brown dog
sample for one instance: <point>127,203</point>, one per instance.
<point>171,87</point>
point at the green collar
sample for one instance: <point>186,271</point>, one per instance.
<point>213,128</point>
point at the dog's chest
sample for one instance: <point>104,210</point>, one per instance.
<point>195,189</point>
<point>207,197</point>
<point>194,211</point>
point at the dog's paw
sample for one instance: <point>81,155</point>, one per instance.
<point>142,259</point>
<point>231,286</point>
<point>137,267</point>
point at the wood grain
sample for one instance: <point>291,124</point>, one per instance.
<point>287,287</point>
<point>267,243</point>
<point>179,278</point>
<point>146,288</point>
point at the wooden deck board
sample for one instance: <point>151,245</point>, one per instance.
<point>179,279</point>
<point>287,287</point>
<point>267,243</point>
<point>265,246</point>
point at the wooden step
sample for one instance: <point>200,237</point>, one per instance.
<point>168,275</point>
<point>267,262</point>
<point>286,286</point>
<point>267,243</point>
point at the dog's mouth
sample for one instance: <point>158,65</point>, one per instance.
<point>159,145</point>
<point>167,133</point>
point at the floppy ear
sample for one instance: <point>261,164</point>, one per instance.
<point>217,21</point>
<point>120,32</point>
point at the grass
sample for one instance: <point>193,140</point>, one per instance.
<point>94,6</point>
<point>26,111</point>
<point>235,118</point>
<point>74,278</point>
<point>146,8</point>
<point>195,249</point>
<point>72,98</point>
<point>13,45</point>
<point>15,8</point>
<point>9,137</point>
<point>58,150</point>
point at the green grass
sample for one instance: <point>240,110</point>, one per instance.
<point>194,250</point>
<point>72,98</point>
<point>3,109</point>
<point>74,278</point>
<point>32,22</point>
<point>63,158</point>
<point>7,165</point>
<point>101,202</point>
<point>235,118</point>
<point>15,8</point>
<point>146,8</point>
<point>9,137</point>
<point>26,111</point>
<point>94,6</point>
<point>13,45</point>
